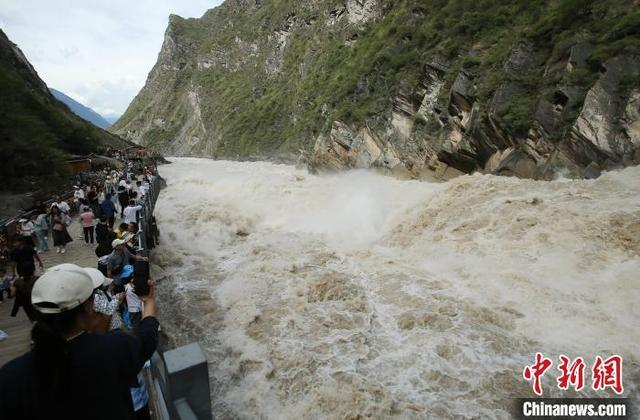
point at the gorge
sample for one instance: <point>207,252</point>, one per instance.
<point>411,88</point>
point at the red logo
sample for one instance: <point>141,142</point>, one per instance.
<point>536,371</point>
<point>605,373</point>
<point>608,373</point>
<point>571,374</point>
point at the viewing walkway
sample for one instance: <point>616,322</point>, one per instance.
<point>19,328</point>
<point>80,253</point>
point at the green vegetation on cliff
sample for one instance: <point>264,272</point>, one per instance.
<point>271,77</point>
<point>37,132</point>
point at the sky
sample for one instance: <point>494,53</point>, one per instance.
<point>99,52</point>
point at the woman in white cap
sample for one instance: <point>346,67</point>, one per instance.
<point>71,372</point>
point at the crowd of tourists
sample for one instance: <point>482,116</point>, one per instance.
<point>94,328</point>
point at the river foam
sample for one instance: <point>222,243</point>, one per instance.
<point>356,295</point>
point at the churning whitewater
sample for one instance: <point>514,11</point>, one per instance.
<point>356,295</point>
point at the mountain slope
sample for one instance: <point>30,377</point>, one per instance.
<point>37,132</point>
<point>525,88</point>
<point>80,110</point>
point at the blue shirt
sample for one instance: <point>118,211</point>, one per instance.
<point>108,208</point>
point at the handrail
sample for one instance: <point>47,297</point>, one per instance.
<point>147,230</point>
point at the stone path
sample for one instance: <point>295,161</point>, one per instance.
<point>19,327</point>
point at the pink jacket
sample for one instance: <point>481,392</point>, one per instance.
<point>86,219</point>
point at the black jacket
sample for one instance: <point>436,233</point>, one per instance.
<point>103,367</point>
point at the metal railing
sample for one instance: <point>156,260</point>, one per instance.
<point>177,380</point>
<point>148,235</point>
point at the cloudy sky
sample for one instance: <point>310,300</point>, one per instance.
<point>99,52</point>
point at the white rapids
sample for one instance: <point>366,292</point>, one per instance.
<point>356,295</point>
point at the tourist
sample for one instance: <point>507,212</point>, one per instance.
<point>122,229</point>
<point>114,198</point>
<point>105,304</point>
<point>92,196</point>
<point>144,188</point>
<point>21,289</point>
<point>5,285</point>
<point>101,195</point>
<point>78,197</point>
<point>59,230</point>
<point>125,276</point>
<point>103,251</point>
<point>41,229</point>
<point>123,197</point>
<point>134,306</point>
<point>131,212</point>
<point>119,258</point>
<point>102,229</point>
<point>140,399</point>
<point>134,197</point>
<point>131,237</point>
<point>72,372</point>
<point>61,205</point>
<point>86,220</point>
<point>26,231</point>
<point>23,256</point>
<point>108,209</point>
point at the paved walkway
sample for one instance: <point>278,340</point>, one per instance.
<point>19,328</point>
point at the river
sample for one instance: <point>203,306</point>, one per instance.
<point>356,295</point>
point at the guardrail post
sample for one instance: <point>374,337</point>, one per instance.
<point>188,380</point>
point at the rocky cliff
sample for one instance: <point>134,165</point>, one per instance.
<point>410,87</point>
<point>37,132</point>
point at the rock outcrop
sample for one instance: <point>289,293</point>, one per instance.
<point>391,86</point>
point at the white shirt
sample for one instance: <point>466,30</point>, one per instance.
<point>130,213</point>
<point>63,206</point>
<point>26,229</point>
<point>134,304</point>
<point>78,194</point>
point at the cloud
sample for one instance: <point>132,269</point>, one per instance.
<point>97,52</point>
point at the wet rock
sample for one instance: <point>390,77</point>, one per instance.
<point>343,149</point>
<point>597,124</point>
<point>592,171</point>
<point>462,95</point>
<point>369,149</point>
<point>630,126</point>
<point>515,162</point>
<point>402,115</point>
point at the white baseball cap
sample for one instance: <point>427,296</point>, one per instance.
<point>117,242</point>
<point>61,288</point>
<point>97,277</point>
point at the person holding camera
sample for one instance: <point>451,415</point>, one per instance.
<point>72,372</point>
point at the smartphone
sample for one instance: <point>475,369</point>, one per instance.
<point>141,278</point>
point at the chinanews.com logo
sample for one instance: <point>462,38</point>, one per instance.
<point>603,374</point>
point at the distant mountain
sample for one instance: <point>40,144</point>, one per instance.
<point>38,132</point>
<point>81,110</point>
<point>112,119</point>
